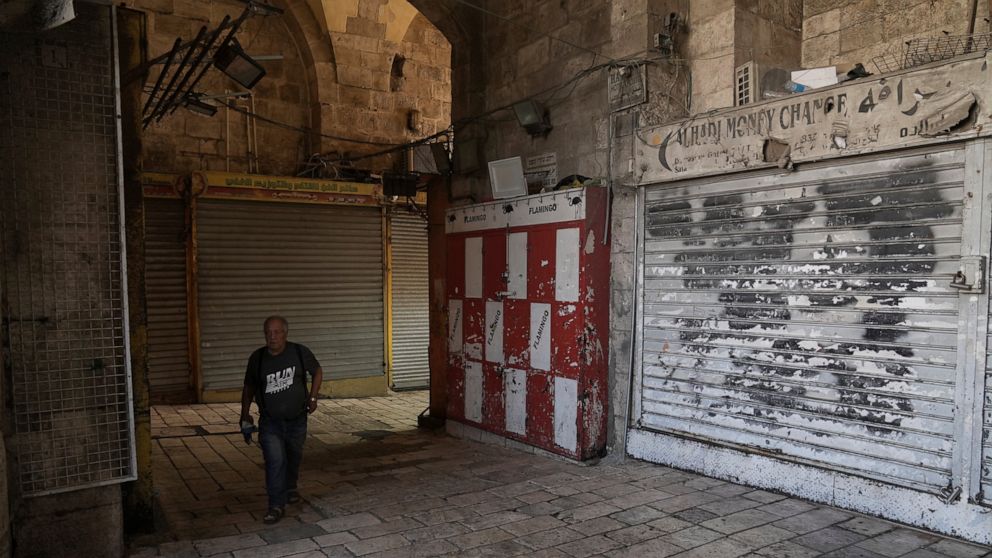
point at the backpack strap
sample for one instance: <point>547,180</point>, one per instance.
<point>303,368</point>
<point>259,380</point>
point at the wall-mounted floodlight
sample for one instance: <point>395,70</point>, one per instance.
<point>533,117</point>
<point>240,67</point>
<point>199,107</point>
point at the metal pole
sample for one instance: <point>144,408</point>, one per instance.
<point>122,237</point>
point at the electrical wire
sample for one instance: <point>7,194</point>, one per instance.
<point>484,115</point>
<point>550,92</point>
<point>301,129</point>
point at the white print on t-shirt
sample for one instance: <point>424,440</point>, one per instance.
<point>280,381</point>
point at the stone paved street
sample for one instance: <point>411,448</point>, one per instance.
<point>375,486</point>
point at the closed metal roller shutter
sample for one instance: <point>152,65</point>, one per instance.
<point>319,266</point>
<point>987,434</point>
<point>411,328</point>
<point>809,315</point>
<point>165,281</point>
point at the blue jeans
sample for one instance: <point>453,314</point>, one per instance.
<point>282,448</point>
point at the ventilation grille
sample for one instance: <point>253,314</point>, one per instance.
<point>744,79</point>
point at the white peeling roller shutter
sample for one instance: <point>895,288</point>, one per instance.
<point>809,315</point>
<point>986,434</point>
<point>411,326</point>
<point>165,280</point>
<point>319,266</point>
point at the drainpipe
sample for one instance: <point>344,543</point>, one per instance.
<point>971,24</point>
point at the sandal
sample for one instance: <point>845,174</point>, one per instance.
<point>272,516</point>
<point>293,497</point>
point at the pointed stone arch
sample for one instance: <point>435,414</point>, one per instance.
<point>309,34</point>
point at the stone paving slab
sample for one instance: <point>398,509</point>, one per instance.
<point>374,486</point>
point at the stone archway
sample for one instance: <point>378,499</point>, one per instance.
<point>309,35</point>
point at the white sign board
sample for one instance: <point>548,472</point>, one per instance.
<point>939,103</point>
<point>541,171</point>
<point>538,209</point>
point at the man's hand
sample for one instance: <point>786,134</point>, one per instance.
<point>311,405</point>
<point>247,428</point>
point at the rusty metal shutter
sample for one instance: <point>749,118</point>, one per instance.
<point>165,280</point>
<point>809,315</point>
<point>319,266</point>
<point>411,328</point>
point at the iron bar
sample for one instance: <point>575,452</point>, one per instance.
<point>171,103</point>
<point>213,39</point>
<point>161,76</point>
<point>172,81</point>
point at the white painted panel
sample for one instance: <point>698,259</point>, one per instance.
<point>473,267</point>
<point>566,413</point>
<point>473,350</point>
<point>516,400</point>
<point>455,326</point>
<point>540,336</point>
<point>567,265</point>
<point>494,331</point>
<point>539,209</point>
<point>473,391</point>
<point>517,261</point>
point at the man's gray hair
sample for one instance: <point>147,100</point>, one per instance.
<point>285,322</point>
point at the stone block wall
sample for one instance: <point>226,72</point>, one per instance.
<point>843,32</point>
<point>183,141</point>
<point>556,52</point>
<point>336,78</point>
<point>71,525</point>
<point>394,75</point>
<point>725,34</point>
<point>710,48</point>
<point>522,63</point>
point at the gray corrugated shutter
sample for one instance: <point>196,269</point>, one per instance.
<point>809,314</point>
<point>319,266</point>
<point>165,281</point>
<point>411,327</point>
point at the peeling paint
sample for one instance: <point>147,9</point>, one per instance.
<point>590,245</point>
<point>540,322</point>
<point>806,318</point>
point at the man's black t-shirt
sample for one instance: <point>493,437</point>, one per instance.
<point>280,383</point>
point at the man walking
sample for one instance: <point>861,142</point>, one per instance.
<point>276,380</point>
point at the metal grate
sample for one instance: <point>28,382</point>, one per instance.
<point>925,50</point>
<point>61,258</point>
<point>745,83</point>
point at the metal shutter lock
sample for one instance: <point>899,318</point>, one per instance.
<point>970,278</point>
